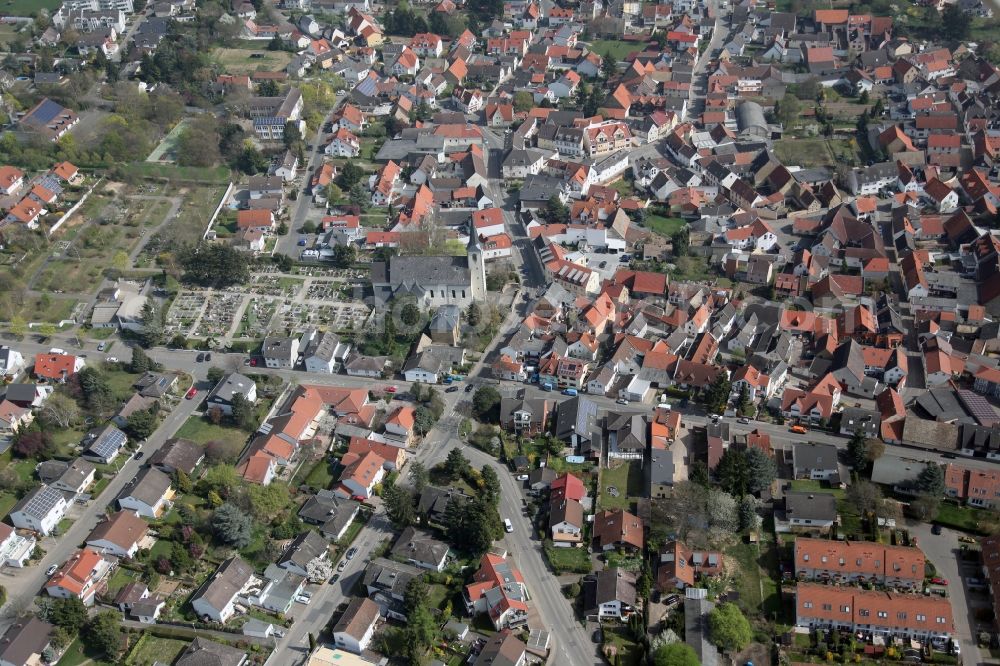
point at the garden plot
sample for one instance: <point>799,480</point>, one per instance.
<point>221,311</point>
<point>336,316</point>
<point>184,312</point>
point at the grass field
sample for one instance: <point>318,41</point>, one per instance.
<point>665,226</point>
<point>7,33</point>
<point>817,152</point>
<point>202,431</point>
<point>75,656</point>
<point>618,50</point>
<point>7,502</point>
<point>627,480</point>
<point>567,560</point>
<point>966,518</point>
<point>27,7</point>
<point>239,61</point>
<point>45,308</point>
<point>189,225</point>
<point>150,649</point>
<point>218,174</point>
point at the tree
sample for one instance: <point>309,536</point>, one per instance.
<point>698,473</point>
<point>333,192</point>
<point>222,451</point>
<point>474,314</point>
<point>748,513</point>
<point>268,88</point>
<point>419,476</point>
<point>681,242</point>
<point>214,264</point>
<point>103,633</point>
<point>787,110</point>
<point>722,512</point>
<point>857,451</point>
<point>18,327</point>
<point>358,195</point>
<point>215,374</point>
<point>486,404</point>
<point>232,525</point>
<point>609,66</point>
<point>243,414</point>
<point>456,464</point>
<point>954,23</point>
<point>399,505</point>
<point>930,481</point>
<point>141,424</point>
<point>251,161</point>
<point>423,420</point>
<point>717,394</point>
<point>523,101</point>
<point>555,211</point>
<point>344,256</point>
<point>762,469</point>
<point>222,479</point>
<point>733,472</point>
<point>350,175</point>
<point>152,325</point>
<point>728,628</point>
<point>69,614</point>
<point>675,654</point>
<point>865,496</point>
<point>33,444</point>
<point>266,502</point>
<point>96,391</point>
<point>925,508</point>
<point>140,361</point>
<point>198,144</point>
<point>876,447</point>
<point>491,484</point>
<point>183,481</point>
<point>60,410</point>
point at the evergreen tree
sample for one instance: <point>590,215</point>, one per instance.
<point>857,451</point>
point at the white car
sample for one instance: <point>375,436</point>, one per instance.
<point>302,599</point>
<point>522,477</point>
<point>51,570</point>
<point>507,525</point>
<point>112,359</point>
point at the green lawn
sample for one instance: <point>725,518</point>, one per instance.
<point>204,175</point>
<point>810,486</point>
<point>27,7</point>
<point>665,226</point>
<point>619,50</point>
<point>149,649</point>
<point>321,475</point>
<point>627,480</point>
<point>202,431</point>
<point>623,187</point>
<point>352,531</point>
<point>119,579</point>
<point>7,502</point>
<point>965,518</point>
<point>74,656</point>
<point>631,653</point>
<point>567,560</point>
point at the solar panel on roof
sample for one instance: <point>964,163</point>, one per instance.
<point>47,111</point>
<point>43,502</point>
<point>978,407</point>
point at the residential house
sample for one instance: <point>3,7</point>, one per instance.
<point>421,549</point>
<point>84,576</point>
<point>216,599</point>
<point>221,396</point>
<point>40,510</point>
<point>859,563</point>
<point>680,567</point>
<point>306,548</point>
<point>120,534</point>
<point>566,522</point>
<point>104,445</point>
<point>618,529</point>
<point>498,590</point>
<point>356,627</point>
<point>15,549</point>
<point>149,494</point>
<point>611,594</point>
<point>178,455</point>
<point>331,513</point>
<point>811,460</point>
<point>25,642</point>
<point>809,512</point>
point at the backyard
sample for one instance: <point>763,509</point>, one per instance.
<point>817,152</point>
<point>150,649</point>
<point>619,50</point>
<point>201,431</point>
<point>27,7</point>
<point>619,484</point>
<point>665,226</point>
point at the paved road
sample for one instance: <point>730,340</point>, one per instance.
<point>287,244</point>
<point>943,549</point>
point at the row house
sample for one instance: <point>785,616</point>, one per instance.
<point>859,563</point>
<point>881,613</point>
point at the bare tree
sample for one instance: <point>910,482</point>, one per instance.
<point>60,410</point>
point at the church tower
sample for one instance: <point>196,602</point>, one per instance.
<point>477,265</point>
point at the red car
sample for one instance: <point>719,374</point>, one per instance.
<point>939,581</point>
<point>391,389</point>
<point>192,392</point>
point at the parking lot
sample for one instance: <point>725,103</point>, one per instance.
<point>611,263</point>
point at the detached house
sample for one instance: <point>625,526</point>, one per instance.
<point>83,576</point>
<point>40,510</point>
<point>149,494</point>
<point>498,590</point>
<point>216,600</point>
<point>618,529</point>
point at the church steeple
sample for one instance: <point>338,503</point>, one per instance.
<point>477,264</point>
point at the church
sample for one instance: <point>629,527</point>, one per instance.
<point>434,280</point>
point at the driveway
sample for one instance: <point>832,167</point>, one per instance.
<point>943,550</point>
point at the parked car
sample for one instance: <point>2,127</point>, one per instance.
<point>391,389</point>
<point>101,347</point>
<point>937,580</point>
<point>469,387</point>
<point>139,455</point>
<point>799,429</point>
<point>965,538</point>
<point>621,401</point>
<point>51,570</point>
<point>744,420</point>
<point>507,525</point>
<point>112,359</point>
<point>351,552</point>
<point>192,392</point>
<point>451,389</point>
<point>522,477</point>
<point>199,358</point>
<point>208,356</point>
<point>936,529</point>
